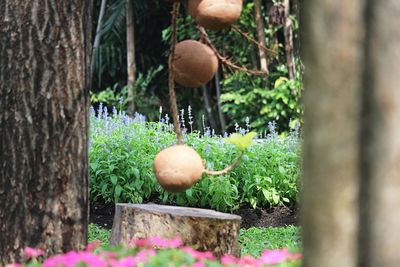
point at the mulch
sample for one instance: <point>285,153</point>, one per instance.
<point>103,214</point>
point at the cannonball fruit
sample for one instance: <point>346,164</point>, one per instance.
<point>215,14</point>
<point>178,168</point>
<point>194,64</point>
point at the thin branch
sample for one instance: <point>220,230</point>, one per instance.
<point>171,83</point>
<point>227,169</point>
<point>252,40</point>
<point>205,38</point>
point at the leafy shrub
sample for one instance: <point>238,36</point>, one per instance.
<point>156,252</point>
<point>122,150</point>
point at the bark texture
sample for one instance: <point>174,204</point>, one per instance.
<point>351,182</point>
<point>380,137</point>
<point>332,51</point>
<point>201,229</point>
<point>131,60</point>
<point>44,54</point>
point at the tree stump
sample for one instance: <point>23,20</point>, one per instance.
<point>201,229</point>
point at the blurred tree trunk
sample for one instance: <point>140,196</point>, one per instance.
<point>380,139</point>
<point>131,62</point>
<point>97,38</point>
<point>351,178</point>
<point>288,33</point>
<point>44,103</point>
<point>260,35</point>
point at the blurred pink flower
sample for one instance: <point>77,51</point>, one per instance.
<point>198,264</point>
<point>93,245</point>
<point>274,256</point>
<point>199,255</point>
<point>33,252</point>
<point>72,258</point>
<point>14,265</point>
<point>228,259</point>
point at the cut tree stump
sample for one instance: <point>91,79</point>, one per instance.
<point>201,229</point>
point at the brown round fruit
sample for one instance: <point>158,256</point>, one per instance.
<point>213,14</point>
<point>195,64</point>
<point>178,168</point>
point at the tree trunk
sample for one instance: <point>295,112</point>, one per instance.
<point>351,178</point>
<point>380,139</point>
<point>260,35</point>
<point>45,66</point>
<point>201,229</point>
<point>208,107</point>
<point>220,113</point>
<point>288,33</point>
<point>131,62</point>
<point>97,38</point>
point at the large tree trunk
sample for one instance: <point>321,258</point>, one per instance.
<point>45,62</point>
<point>352,144</point>
<point>131,62</point>
<point>380,143</point>
<point>260,35</point>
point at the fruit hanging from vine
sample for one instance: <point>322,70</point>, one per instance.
<point>194,64</point>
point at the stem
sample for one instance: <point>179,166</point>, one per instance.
<point>204,37</point>
<point>227,169</point>
<point>171,83</point>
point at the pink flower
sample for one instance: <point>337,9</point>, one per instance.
<point>274,256</point>
<point>157,241</point>
<point>33,252</point>
<point>228,259</point>
<point>198,264</point>
<point>93,245</point>
<point>199,255</point>
<point>129,261</point>
<point>14,265</point>
<point>72,258</point>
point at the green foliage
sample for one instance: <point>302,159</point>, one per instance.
<point>255,240</point>
<point>246,96</point>
<point>96,232</point>
<point>122,152</point>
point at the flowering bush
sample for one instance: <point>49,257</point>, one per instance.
<point>122,150</point>
<point>155,252</point>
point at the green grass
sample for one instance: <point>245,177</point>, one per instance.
<point>253,240</point>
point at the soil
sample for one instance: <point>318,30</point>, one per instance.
<point>103,214</point>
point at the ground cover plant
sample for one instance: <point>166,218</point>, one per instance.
<point>122,150</point>
<point>253,241</point>
<point>155,252</point>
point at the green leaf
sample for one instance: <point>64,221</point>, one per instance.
<point>117,192</point>
<point>241,141</point>
<point>114,179</point>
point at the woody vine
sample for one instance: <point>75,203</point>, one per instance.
<point>192,64</point>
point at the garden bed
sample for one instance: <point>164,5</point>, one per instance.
<point>102,214</point>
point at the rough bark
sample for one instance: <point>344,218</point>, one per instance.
<point>45,60</point>
<point>332,51</point>
<point>199,228</point>
<point>131,61</point>
<point>288,33</point>
<point>380,137</point>
<point>260,35</point>
<point>97,37</point>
